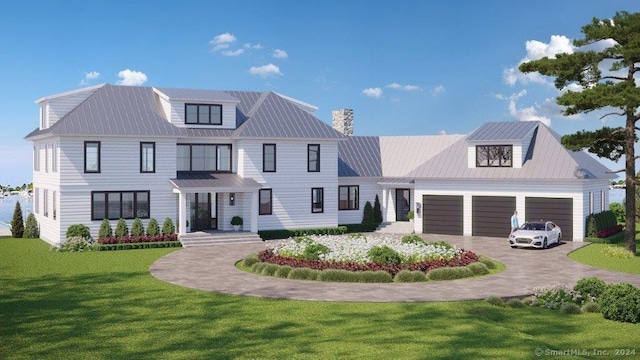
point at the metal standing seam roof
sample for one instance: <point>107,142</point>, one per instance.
<point>503,131</point>
<point>359,156</point>
<point>197,95</point>
<point>401,154</point>
<point>187,180</point>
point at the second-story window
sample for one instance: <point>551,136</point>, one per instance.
<point>36,158</point>
<point>313,158</point>
<point>204,157</point>
<point>269,157</point>
<point>147,157</point>
<point>203,114</point>
<point>92,156</point>
<point>494,156</point>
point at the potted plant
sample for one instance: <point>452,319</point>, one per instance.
<point>236,221</point>
<point>410,215</point>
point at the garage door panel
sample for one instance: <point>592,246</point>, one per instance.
<point>442,214</point>
<point>492,214</point>
<point>558,210</point>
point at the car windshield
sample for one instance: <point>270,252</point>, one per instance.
<point>532,226</point>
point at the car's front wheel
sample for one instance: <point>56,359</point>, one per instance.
<point>559,238</point>
<point>544,243</point>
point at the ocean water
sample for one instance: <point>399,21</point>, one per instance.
<point>7,205</point>
<point>616,195</point>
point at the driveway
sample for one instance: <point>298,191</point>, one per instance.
<point>213,269</point>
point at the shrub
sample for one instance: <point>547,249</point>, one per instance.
<point>412,239</point>
<point>449,273</point>
<point>105,229</point>
<point>269,269</point>
<point>78,230</point>
<point>441,243</point>
<point>167,227</point>
<point>478,268</point>
<point>31,230</point>
<point>494,300</point>
<point>617,252</point>
<point>410,276</point>
<point>600,221</point>
<point>137,229</point>
<point>618,210</point>
<point>590,287</point>
<point>75,243</point>
<point>17,222</point>
<point>379,276</point>
<point>377,211</point>
<point>236,220</point>
<point>528,301</point>
<point>590,307</point>
<point>152,227</point>
<point>515,303</point>
<point>554,296</point>
<point>384,255</point>
<point>257,267</point>
<point>357,236</point>
<point>367,215</point>
<point>592,227</point>
<point>249,260</point>
<point>144,245</point>
<point>570,308</point>
<point>283,271</point>
<point>605,233</point>
<point>359,228</point>
<point>303,274</point>
<point>314,250</point>
<point>487,261</point>
<point>333,275</point>
<point>121,228</point>
<point>620,302</point>
<point>283,233</point>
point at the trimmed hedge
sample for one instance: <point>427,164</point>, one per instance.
<point>613,239</point>
<point>137,239</point>
<point>287,233</point>
<point>600,221</point>
<point>359,228</point>
<point>130,246</point>
<point>449,273</point>
<point>410,276</point>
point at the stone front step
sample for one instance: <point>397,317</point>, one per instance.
<point>217,238</point>
<point>400,227</point>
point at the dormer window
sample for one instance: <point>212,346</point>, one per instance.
<point>203,114</point>
<point>494,156</point>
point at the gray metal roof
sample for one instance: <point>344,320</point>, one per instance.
<point>401,154</point>
<point>197,95</point>
<point>359,156</point>
<point>503,131</point>
<point>196,180</point>
<point>547,160</point>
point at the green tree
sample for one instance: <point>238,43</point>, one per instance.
<point>17,223</point>
<point>121,228</point>
<point>368,218</point>
<point>377,211</point>
<point>167,227</point>
<point>152,227</point>
<point>137,229</point>
<point>105,229</point>
<point>31,230</point>
<point>614,91</point>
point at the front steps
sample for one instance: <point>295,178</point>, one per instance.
<point>201,238</point>
<point>399,227</point>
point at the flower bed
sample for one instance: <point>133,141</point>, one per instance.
<point>353,253</point>
<point>605,233</point>
<point>137,239</point>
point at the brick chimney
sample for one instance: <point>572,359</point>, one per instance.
<point>343,121</point>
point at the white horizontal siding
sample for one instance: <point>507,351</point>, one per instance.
<point>368,191</point>
<point>517,156</point>
<point>57,108</point>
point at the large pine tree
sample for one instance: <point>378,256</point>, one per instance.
<point>17,223</point>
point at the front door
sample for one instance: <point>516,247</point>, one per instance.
<point>403,204</point>
<point>203,212</point>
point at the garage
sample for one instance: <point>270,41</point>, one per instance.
<point>492,214</point>
<point>558,210</point>
<point>442,214</point>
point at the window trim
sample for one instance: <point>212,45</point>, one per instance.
<point>209,123</point>
<point>86,145</point>
<point>349,200</point>
<point>264,158</point>
<point>54,158</point>
<point>142,159</point>
<point>313,209</point>
<point>270,202</point>
<point>36,158</point>
<point>54,205</point>
<point>500,160</point>
<point>317,168</point>
<point>36,200</point>
<point>45,202</point>
<point>217,165</point>
<point>135,204</point>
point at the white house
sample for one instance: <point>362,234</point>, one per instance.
<point>201,157</point>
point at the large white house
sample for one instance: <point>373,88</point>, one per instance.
<point>201,157</point>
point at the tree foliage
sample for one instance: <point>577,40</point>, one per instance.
<point>31,230</point>
<point>17,223</point>
<point>607,80</point>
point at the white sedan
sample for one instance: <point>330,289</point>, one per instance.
<point>536,234</point>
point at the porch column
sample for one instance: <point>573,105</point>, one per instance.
<point>254,211</point>
<point>182,214</point>
<point>385,202</point>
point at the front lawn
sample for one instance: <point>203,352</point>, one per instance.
<point>593,255</point>
<point>106,305</point>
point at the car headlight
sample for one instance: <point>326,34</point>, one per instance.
<point>538,237</point>
<point>511,236</point>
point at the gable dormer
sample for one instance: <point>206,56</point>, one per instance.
<point>55,107</point>
<point>500,144</point>
<point>192,108</point>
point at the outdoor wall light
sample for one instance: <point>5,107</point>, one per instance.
<point>232,199</point>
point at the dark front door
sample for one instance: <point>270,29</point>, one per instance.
<point>203,212</point>
<point>403,204</point>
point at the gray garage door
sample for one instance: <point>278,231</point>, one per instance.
<point>492,215</point>
<point>558,210</point>
<point>442,214</point>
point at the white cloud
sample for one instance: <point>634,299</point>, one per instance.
<point>525,114</point>
<point>442,132</point>
<point>373,92</point>
<point>396,86</point>
<point>131,78</point>
<point>437,90</point>
<point>537,50</point>
<point>252,46</point>
<point>89,76</point>
<point>393,86</point>
<point>222,41</point>
<point>232,52</point>
<point>265,70</point>
<point>280,54</point>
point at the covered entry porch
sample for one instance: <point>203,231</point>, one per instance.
<point>208,202</point>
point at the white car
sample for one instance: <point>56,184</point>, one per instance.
<point>536,234</point>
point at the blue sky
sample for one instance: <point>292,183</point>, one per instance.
<point>405,67</point>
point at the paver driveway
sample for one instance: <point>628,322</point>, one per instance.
<point>213,269</point>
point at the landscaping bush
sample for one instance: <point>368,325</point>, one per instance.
<point>137,229</point>
<point>412,239</point>
<point>284,233</point>
<point>75,243</point>
<point>478,268</point>
<point>617,252</point>
<point>554,296</point>
<point>167,227</point>
<point>605,233</point>
<point>140,245</point>
<point>78,230</point>
<point>379,276</point>
<point>367,215</point>
<point>528,301</point>
<point>590,307</point>
<point>619,211</point>
<point>410,276</point>
<point>384,255</point>
<point>303,274</point>
<point>449,273</point>
<point>613,239</point>
<point>590,287</point>
<point>359,228</point>
<point>250,259</point>
<point>269,269</point>
<point>282,272</point>
<point>333,275</point>
<point>17,222</point>
<point>31,230</point>
<point>257,267</point>
<point>570,308</point>
<point>121,228</point>
<point>314,250</point>
<point>105,229</point>
<point>357,236</point>
<point>494,300</point>
<point>620,302</point>
<point>377,211</point>
<point>441,243</point>
<point>600,221</point>
<point>487,261</point>
<point>515,303</point>
<point>152,227</point>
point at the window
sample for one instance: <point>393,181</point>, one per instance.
<point>203,114</point>
<point>114,205</point>
<point>602,202</point>
<point>54,202</point>
<point>54,158</point>
<point>269,157</point>
<point>590,202</point>
<point>36,158</point>
<point>494,156</point>
<point>317,200</point>
<point>204,157</point>
<point>45,202</point>
<point>147,157</point>
<point>36,200</point>
<point>91,156</point>
<point>46,158</point>
<point>313,158</point>
<point>348,197</point>
<point>266,207</point>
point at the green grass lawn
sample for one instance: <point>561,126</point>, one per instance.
<point>106,305</point>
<point>592,255</point>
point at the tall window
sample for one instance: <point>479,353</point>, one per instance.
<point>46,158</point>
<point>203,114</point>
<point>269,157</point>
<point>348,197</point>
<point>45,202</point>
<point>313,158</point>
<point>54,157</point>
<point>36,200</point>
<point>590,202</point>
<point>92,156</point>
<point>54,203</point>
<point>114,205</point>
<point>266,207</point>
<point>204,157</point>
<point>602,200</point>
<point>36,158</point>
<point>147,157</point>
<point>317,200</point>
<point>494,156</point>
